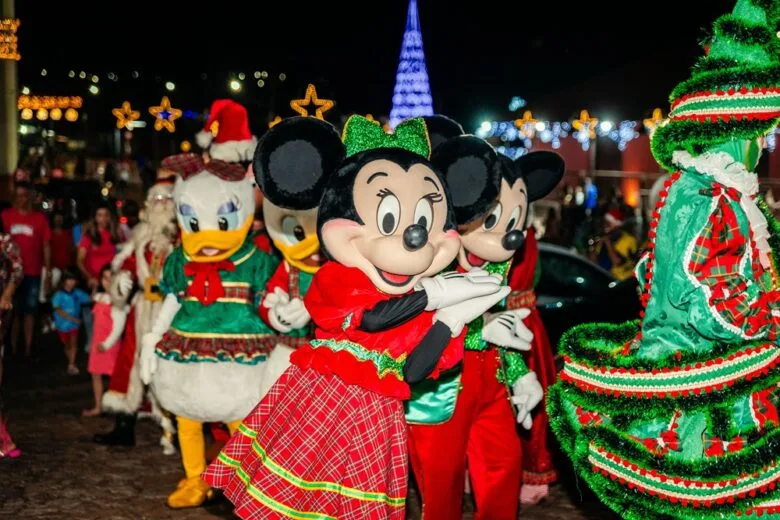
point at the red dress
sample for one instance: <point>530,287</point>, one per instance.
<point>329,439</point>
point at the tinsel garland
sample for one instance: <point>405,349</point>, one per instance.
<point>513,365</point>
<point>697,138</point>
<point>771,7</point>
<point>711,64</point>
<point>729,26</point>
<point>634,505</point>
<point>733,77</point>
<point>578,344</point>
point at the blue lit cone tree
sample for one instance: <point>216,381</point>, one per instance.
<point>412,94</point>
<point>676,416</point>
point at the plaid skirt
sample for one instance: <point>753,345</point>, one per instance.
<point>316,448</point>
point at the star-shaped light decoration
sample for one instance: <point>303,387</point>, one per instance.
<point>654,121</point>
<point>125,116</point>
<point>585,129</point>
<point>526,125</point>
<point>274,122</point>
<point>165,115</point>
<point>311,99</point>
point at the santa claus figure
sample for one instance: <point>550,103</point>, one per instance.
<point>138,268</point>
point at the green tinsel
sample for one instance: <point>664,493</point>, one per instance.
<point>724,79</point>
<point>697,137</point>
<point>513,365</point>
<point>634,505</point>
<point>730,26</point>
<point>772,8</point>
<point>599,344</point>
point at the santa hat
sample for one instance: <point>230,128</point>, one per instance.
<point>234,141</point>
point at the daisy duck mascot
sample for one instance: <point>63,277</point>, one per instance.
<point>205,355</point>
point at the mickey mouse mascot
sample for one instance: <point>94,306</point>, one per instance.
<point>466,416</point>
<point>205,356</point>
<point>329,439</point>
<point>292,185</point>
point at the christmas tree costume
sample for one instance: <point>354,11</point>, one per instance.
<point>292,176</point>
<point>140,261</point>
<point>329,439</point>
<point>467,417</point>
<point>676,416</point>
<point>205,357</point>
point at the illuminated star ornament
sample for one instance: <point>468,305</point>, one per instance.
<point>165,115</point>
<point>274,122</point>
<point>585,129</point>
<point>302,105</point>
<point>125,116</point>
<point>654,121</point>
<point>526,124</point>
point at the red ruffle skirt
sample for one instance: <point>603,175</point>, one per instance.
<point>316,448</point>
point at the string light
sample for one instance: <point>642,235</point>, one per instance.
<point>125,116</point>
<point>25,91</point>
<point>412,92</point>
<point>72,74</point>
<point>282,76</point>
<point>48,102</point>
<point>260,83</point>
<point>301,105</point>
<point>169,86</point>
<point>516,103</point>
<point>235,85</point>
<point>165,115</point>
<point>185,146</point>
<point>71,115</point>
<point>95,78</point>
<point>9,42</point>
<point>55,114</point>
<point>42,114</point>
<point>257,74</point>
<point>241,76</point>
<point>94,90</point>
<point>27,114</point>
<point>82,74</point>
<point>44,72</point>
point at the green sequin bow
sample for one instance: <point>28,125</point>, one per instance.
<point>361,134</point>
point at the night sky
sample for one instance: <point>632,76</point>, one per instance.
<point>617,59</point>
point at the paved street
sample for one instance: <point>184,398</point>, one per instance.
<point>62,475</point>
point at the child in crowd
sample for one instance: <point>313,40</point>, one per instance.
<point>62,257</point>
<point>67,303</point>
<point>107,328</point>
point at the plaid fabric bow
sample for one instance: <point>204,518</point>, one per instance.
<point>189,164</point>
<point>588,418</point>
<point>732,193</point>
<point>668,440</point>
<point>715,447</point>
<point>764,404</point>
<point>207,284</point>
<point>361,134</point>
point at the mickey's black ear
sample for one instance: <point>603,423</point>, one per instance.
<point>542,171</point>
<point>441,128</point>
<point>293,160</point>
<point>471,169</point>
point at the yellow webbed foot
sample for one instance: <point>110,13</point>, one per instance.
<point>191,492</point>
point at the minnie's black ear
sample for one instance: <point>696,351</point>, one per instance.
<point>542,171</point>
<point>471,169</point>
<point>293,160</point>
<point>441,128</point>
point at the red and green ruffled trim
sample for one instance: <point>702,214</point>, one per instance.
<point>757,103</point>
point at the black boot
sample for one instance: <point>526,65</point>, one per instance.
<point>123,433</point>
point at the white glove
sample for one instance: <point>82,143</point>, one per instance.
<point>148,361</point>
<point>291,315</point>
<point>457,316</point>
<point>118,321</point>
<point>506,329</point>
<point>148,358</point>
<point>451,288</point>
<point>124,283</point>
<point>527,393</point>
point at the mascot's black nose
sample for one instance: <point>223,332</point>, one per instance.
<point>415,237</point>
<point>513,240</point>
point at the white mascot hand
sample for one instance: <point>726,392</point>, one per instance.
<point>293,313</point>
<point>124,283</point>
<point>148,361</point>
<point>274,302</point>
<point>527,393</point>
<point>451,288</point>
<point>459,315</point>
<point>506,329</point>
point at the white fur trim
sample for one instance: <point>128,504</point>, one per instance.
<point>234,151</point>
<point>725,170</point>
<point>204,139</point>
<point>278,362</point>
<point>207,392</point>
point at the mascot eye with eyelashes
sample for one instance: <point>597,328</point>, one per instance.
<point>492,195</point>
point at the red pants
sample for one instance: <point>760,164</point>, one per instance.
<point>484,432</point>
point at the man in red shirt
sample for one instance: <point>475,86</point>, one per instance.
<point>30,230</point>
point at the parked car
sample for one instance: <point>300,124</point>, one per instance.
<point>573,290</point>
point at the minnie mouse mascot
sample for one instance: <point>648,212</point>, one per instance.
<point>466,416</point>
<point>329,439</point>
